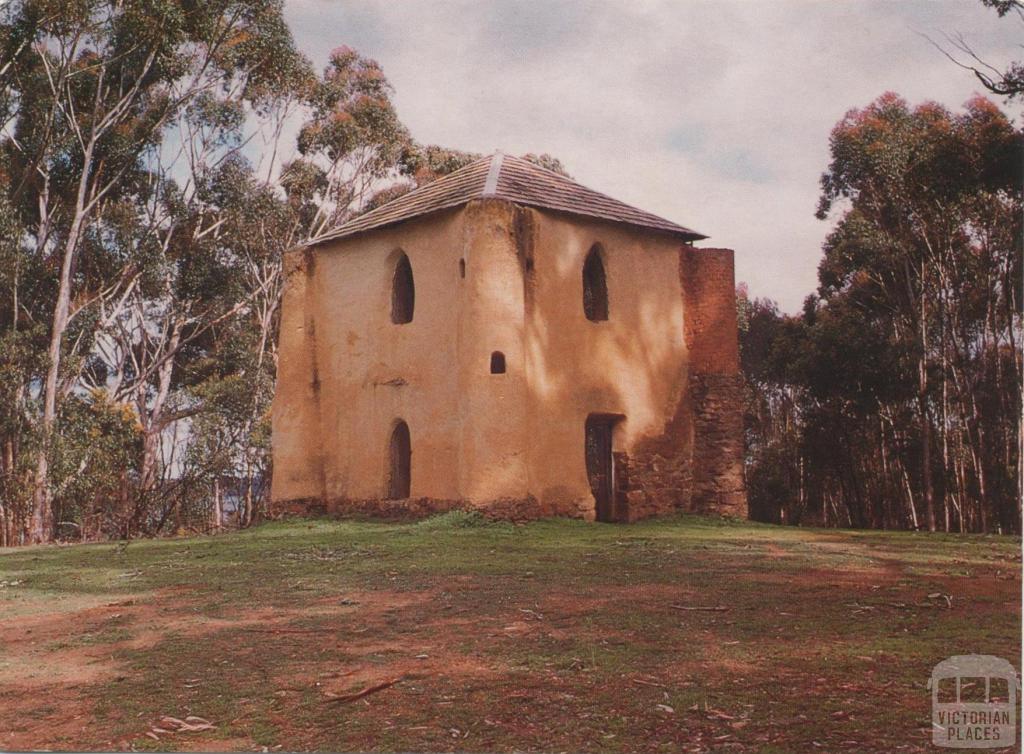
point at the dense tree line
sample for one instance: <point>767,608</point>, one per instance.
<point>894,399</point>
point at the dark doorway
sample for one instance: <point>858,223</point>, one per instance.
<point>600,469</point>
<point>399,462</point>
<point>497,363</point>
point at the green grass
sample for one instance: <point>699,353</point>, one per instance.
<point>557,635</point>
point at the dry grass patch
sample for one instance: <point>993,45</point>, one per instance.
<point>454,634</point>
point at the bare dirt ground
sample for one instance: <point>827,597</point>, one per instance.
<point>457,635</point>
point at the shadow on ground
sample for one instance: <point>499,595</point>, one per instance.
<point>688,634</point>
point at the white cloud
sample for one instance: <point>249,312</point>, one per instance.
<point>712,114</point>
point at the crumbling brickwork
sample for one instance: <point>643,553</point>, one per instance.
<point>696,465</point>
<point>718,444</point>
<point>715,383</point>
<point>657,477</point>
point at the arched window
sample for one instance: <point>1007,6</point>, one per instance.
<point>595,287</point>
<point>462,268</point>
<point>403,292</point>
<point>399,462</point>
<point>497,363</point>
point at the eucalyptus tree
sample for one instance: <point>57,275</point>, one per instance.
<point>93,90</point>
<point>349,145</point>
<point>196,343</point>
<point>909,363</point>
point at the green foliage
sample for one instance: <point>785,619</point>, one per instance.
<point>428,163</point>
<point>352,110</point>
<point>24,289</point>
<point>886,400</point>
<point>351,140</point>
<point>95,463</point>
<point>113,259</point>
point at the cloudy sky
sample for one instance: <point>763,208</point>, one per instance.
<point>713,114</point>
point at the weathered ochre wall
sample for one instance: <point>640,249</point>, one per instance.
<point>632,364</point>
<point>467,426</point>
<point>374,372</point>
<point>370,371</point>
<point>511,442</point>
<point>493,406</point>
<point>295,415</point>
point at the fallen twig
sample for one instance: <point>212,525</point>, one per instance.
<point>717,714</point>
<point>650,683</point>
<point>191,724</point>
<point>291,630</point>
<point>715,609</point>
<point>364,692</point>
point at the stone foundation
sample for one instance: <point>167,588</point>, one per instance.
<point>718,485</point>
<point>410,509</point>
<point>657,477</point>
<point>697,465</point>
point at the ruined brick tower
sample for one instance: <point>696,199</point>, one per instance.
<point>506,339</point>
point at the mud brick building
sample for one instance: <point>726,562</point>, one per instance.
<point>506,339</point>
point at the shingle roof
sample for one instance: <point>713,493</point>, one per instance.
<point>511,178</point>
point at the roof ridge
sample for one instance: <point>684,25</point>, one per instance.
<point>491,184</point>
